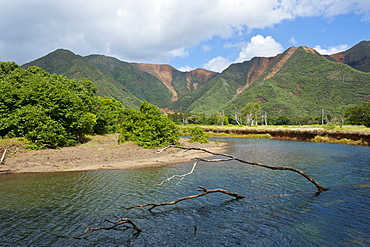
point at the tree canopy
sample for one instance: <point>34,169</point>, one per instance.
<point>49,109</point>
<point>148,127</point>
<point>359,115</point>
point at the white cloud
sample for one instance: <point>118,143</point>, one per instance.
<point>260,46</point>
<point>217,64</point>
<point>179,52</point>
<point>331,49</point>
<point>144,30</point>
<point>206,48</point>
<point>293,40</point>
<point>186,68</point>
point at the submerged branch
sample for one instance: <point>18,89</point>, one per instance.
<point>179,176</point>
<point>205,192</point>
<point>230,157</point>
<point>120,223</point>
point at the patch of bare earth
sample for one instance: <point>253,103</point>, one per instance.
<point>101,152</point>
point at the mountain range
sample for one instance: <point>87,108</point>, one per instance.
<point>297,82</point>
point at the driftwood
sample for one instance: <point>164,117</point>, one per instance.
<point>230,158</point>
<point>205,192</point>
<point>3,156</point>
<point>120,223</point>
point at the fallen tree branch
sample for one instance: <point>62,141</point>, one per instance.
<point>230,157</point>
<point>3,156</point>
<point>205,192</point>
<point>179,176</point>
<point>120,223</point>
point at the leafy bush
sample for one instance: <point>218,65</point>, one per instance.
<point>48,110</point>
<point>148,127</point>
<point>198,135</point>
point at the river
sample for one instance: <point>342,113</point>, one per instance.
<point>280,208</point>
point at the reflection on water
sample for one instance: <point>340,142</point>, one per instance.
<point>281,208</point>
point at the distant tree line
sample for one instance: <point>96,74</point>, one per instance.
<point>252,115</point>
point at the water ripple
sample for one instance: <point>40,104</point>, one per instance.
<point>280,208</point>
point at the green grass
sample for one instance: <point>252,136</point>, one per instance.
<point>271,127</point>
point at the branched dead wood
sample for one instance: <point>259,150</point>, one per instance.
<point>179,176</point>
<point>230,157</point>
<point>205,192</point>
<point>120,223</point>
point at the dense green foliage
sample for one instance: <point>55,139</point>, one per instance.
<point>50,110</point>
<point>108,113</point>
<point>148,127</point>
<point>359,115</point>
<point>198,135</point>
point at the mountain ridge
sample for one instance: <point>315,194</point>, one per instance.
<point>204,91</point>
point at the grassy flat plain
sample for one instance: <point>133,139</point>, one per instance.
<point>347,134</point>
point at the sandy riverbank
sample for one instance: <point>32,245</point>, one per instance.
<point>100,153</point>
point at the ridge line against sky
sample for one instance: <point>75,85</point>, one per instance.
<point>208,34</point>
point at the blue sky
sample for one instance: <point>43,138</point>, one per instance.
<point>191,34</point>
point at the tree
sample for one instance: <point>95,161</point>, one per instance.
<point>197,118</point>
<point>251,111</point>
<point>108,113</point>
<point>148,127</point>
<point>359,115</point>
<point>198,135</point>
<point>282,120</point>
<point>48,110</point>
<point>237,116</point>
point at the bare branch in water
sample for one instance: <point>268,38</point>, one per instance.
<point>120,223</point>
<point>230,157</point>
<point>205,192</point>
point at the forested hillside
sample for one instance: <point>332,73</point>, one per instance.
<point>358,57</point>
<point>73,66</point>
<point>306,85</point>
<point>129,83</point>
<point>297,83</point>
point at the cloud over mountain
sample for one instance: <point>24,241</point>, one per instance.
<point>147,30</point>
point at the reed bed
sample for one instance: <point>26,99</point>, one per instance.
<point>354,135</point>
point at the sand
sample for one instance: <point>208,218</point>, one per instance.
<point>100,153</point>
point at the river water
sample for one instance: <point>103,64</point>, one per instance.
<point>281,208</point>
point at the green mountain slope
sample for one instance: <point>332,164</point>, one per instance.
<point>74,67</point>
<point>358,57</point>
<point>306,85</point>
<point>143,85</point>
<point>298,82</point>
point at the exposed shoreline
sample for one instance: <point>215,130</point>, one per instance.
<point>101,153</point>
